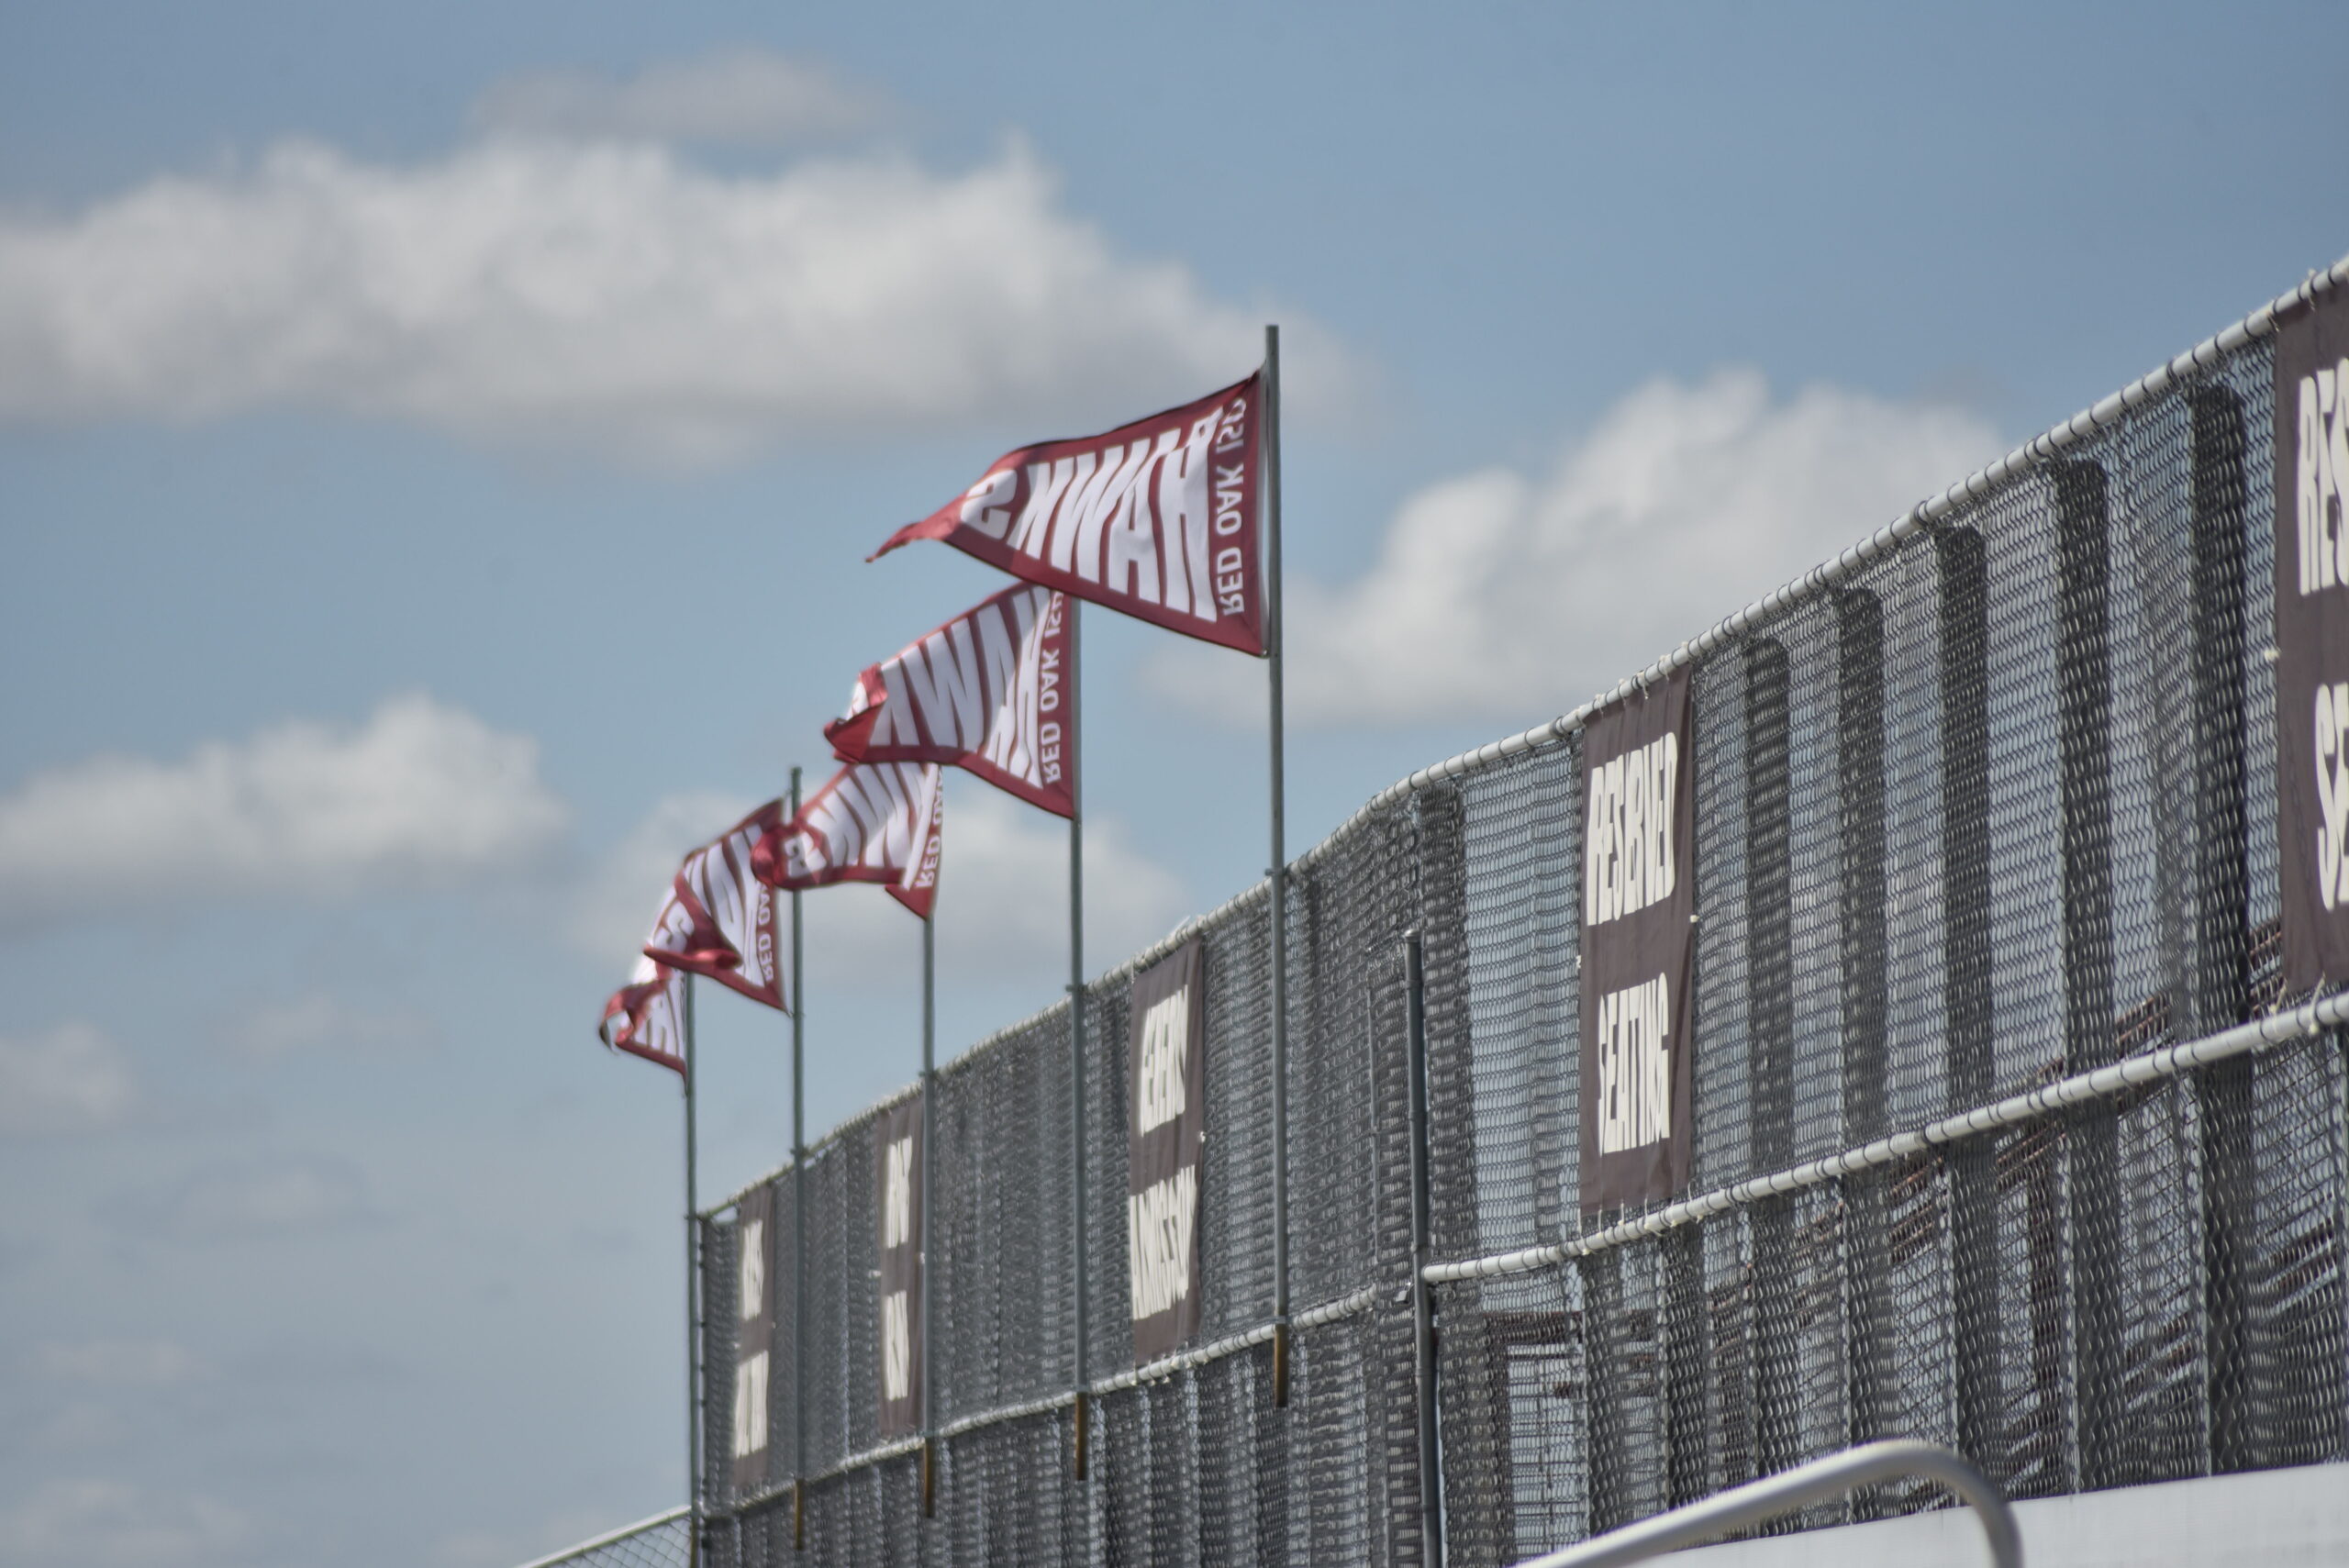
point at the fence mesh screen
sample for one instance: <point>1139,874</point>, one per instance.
<point>665,1541</point>
<point>1993,809</point>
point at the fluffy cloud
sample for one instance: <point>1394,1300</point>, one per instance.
<point>1003,899</point>
<point>113,1524</point>
<point>744,97</point>
<point>504,1546</point>
<point>1498,595</point>
<point>611,909</point>
<point>72,1079</point>
<point>605,294</point>
<point>317,1022</point>
<point>248,1199</point>
<point>121,1364</point>
<point>421,794</point>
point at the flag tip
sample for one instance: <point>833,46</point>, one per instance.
<point>902,537</point>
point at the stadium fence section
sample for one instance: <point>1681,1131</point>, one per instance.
<point>1984,844</point>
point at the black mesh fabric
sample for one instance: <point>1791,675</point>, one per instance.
<point>715,1242</point>
<point>1994,809</point>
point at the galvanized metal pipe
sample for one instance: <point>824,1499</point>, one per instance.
<point>1278,873</point>
<point>798,1214</point>
<point>692,1293</point>
<point>2148,1067</point>
<point>928,1159</point>
<point>1080,1210</point>
<point>574,1553</point>
<point>1181,1362</point>
<point>1768,1498</point>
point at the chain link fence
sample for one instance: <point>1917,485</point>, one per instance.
<point>665,1540</point>
<point>1983,807</point>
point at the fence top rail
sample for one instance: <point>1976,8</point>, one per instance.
<point>574,1553</point>
<point>823,1146</point>
<point>2165,1061</point>
<point>1151,1371</point>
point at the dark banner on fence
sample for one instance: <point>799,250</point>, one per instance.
<point>754,1335</point>
<point>2312,639</point>
<point>1166,1073</point>
<point>897,1188</point>
<point>1639,897</point>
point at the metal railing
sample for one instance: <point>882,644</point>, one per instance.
<point>1759,1501</point>
<point>2329,1011</point>
<point>647,1542</point>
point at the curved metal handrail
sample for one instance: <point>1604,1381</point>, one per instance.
<point>1789,1489</point>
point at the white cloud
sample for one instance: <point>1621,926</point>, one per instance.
<point>501,1547</point>
<point>122,1363</point>
<point>421,794</point>
<point>1499,596</point>
<point>1003,899</point>
<point>248,1199</point>
<point>611,909</point>
<point>72,1079</point>
<point>319,1022</point>
<point>85,1426</point>
<point>113,1524</point>
<point>745,97</point>
<point>610,295</point>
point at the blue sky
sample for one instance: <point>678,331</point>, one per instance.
<point>437,449</point>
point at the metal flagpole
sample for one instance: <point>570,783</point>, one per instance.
<point>799,1217</point>
<point>693,1297</point>
<point>928,1147</point>
<point>1082,1416</point>
<point>1279,872</point>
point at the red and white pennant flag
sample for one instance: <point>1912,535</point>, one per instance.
<point>647,1016</point>
<point>720,918</point>
<point>1156,518</point>
<point>873,822</point>
<point>985,692</point>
